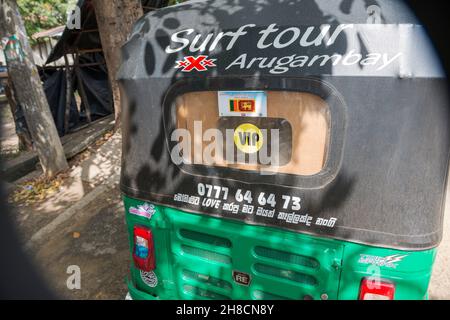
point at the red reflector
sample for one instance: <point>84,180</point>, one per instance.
<point>143,251</point>
<point>375,289</point>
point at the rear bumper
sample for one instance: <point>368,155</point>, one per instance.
<point>137,294</point>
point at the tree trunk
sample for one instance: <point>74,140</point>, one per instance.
<point>30,93</point>
<point>25,141</point>
<point>115,19</point>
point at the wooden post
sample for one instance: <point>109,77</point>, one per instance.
<point>68,95</point>
<point>83,95</point>
<point>115,19</point>
<point>30,93</point>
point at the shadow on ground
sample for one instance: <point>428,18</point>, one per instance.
<point>95,240</point>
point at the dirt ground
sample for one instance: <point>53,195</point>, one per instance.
<point>95,240</point>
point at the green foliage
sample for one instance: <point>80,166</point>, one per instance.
<point>40,15</point>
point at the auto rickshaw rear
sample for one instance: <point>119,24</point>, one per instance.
<point>283,150</point>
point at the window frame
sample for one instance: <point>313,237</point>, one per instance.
<point>318,87</point>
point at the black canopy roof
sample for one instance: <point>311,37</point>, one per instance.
<point>370,60</point>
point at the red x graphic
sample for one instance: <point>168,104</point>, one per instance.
<point>200,63</point>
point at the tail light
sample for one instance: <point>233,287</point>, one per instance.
<point>376,289</point>
<point>143,251</point>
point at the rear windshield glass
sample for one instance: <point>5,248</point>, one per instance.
<point>285,132</point>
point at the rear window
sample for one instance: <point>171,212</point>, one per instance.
<point>291,136</point>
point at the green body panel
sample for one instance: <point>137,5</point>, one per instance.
<point>196,256</point>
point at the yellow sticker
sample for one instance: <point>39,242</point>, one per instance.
<point>248,138</point>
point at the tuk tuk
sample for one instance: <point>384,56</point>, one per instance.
<point>283,150</point>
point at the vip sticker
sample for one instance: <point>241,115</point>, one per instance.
<point>248,138</point>
<point>146,210</point>
<point>191,63</point>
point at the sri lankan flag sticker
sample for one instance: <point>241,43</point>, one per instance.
<point>242,103</point>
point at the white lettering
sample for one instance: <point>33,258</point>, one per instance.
<point>387,61</point>
<point>277,43</point>
<point>202,47</point>
<point>240,61</point>
<point>265,33</point>
<point>235,35</point>
<point>319,39</point>
<point>337,32</point>
<point>351,55</point>
<point>176,39</point>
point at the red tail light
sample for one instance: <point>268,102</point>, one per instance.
<point>376,289</point>
<point>143,251</point>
